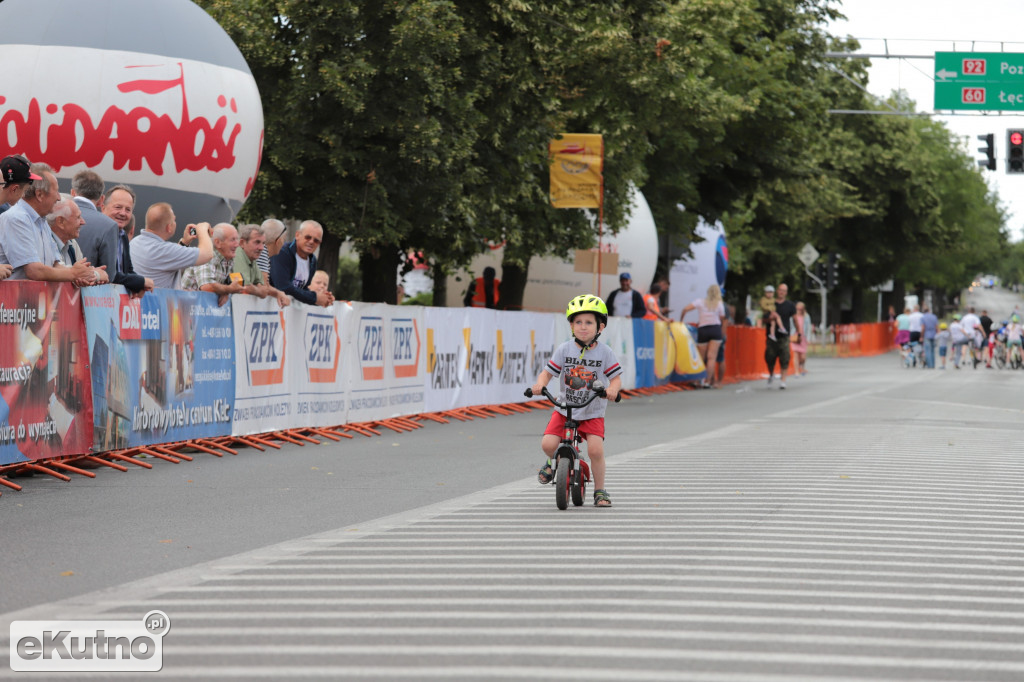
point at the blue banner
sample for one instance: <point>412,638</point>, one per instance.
<point>643,350</point>
<point>162,366</point>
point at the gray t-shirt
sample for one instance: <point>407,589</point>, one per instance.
<point>577,374</point>
<point>161,261</point>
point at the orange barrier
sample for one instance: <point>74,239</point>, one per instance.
<point>744,353</point>
<point>856,340</point>
<point>744,347</point>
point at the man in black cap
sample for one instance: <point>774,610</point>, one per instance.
<point>17,174</point>
<point>626,301</point>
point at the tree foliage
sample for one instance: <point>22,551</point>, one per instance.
<point>423,125</point>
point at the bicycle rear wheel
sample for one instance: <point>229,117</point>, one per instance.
<point>562,483</point>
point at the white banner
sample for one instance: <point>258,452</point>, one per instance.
<point>307,366</point>
<point>317,339</point>
<point>288,372</point>
<point>480,356</point>
<point>619,337</point>
<point>484,357</point>
<point>263,394</point>
<point>386,361</point>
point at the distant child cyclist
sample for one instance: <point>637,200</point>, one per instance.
<point>579,363</point>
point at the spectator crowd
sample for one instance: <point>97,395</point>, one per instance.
<point>88,237</point>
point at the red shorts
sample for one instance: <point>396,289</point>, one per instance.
<point>556,427</point>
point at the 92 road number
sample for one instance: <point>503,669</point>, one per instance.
<point>974,67</point>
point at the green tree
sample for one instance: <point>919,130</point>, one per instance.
<point>370,120</point>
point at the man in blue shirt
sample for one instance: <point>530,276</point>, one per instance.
<point>26,241</point>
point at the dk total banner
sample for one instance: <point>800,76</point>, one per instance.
<point>162,366</point>
<point>45,404</point>
<point>477,356</point>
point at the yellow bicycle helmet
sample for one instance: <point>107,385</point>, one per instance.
<point>587,303</point>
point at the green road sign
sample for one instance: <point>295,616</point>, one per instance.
<point>992,81</point>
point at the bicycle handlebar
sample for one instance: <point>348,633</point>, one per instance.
<point>598,393</point>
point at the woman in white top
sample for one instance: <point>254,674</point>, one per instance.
<point>709,331</point>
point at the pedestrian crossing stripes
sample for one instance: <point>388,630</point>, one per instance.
<point>861,538</point>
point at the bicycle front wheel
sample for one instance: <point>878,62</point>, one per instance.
<point>562,483</point>
<point>577,488</point>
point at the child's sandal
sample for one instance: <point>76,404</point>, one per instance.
<point>546,474</point>
<point>601,498</point>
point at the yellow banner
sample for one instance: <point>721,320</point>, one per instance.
<point>576,167</point>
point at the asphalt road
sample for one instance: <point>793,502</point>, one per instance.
<point>864,524</point>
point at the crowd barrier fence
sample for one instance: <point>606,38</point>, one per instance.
<point>92,371</point>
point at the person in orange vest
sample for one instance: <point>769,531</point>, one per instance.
<point>483,291</point>
<point>651,301</point>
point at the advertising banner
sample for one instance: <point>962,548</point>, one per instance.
<point>162,366</point>
<point>482,357</point>
<point>688,365</point>
<point>46,406</point>
<point>320,384</point>
<point>263,394</point>
<point>386,357</point>
<point>618,335</point>
<point>664,352</point>
<point>289,372</point>
<point>576,171</point>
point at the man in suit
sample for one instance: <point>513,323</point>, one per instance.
<point>102,239</point>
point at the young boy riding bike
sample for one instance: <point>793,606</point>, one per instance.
<point>578,363</point>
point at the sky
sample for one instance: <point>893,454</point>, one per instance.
<point>923,27</point>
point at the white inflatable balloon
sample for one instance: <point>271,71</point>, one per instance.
<point>553,282</point>
<point>152,94</point>
<point>692,275</point>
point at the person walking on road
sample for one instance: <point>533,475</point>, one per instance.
<point>974,332</point>
<point>903,328</point>
<point>958,339</point>
<point>777,348</point>
<point>798,343</point>
<point>914,325</point>
<point>929,328</point>
<point>943,339</point>
<point>709,331</point>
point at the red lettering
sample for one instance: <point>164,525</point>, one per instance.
<point>259,159</point>
<point>135,137</point>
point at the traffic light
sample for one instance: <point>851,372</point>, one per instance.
<point>832,274</point>
<point>989,150</point>
<point>1015,151</point>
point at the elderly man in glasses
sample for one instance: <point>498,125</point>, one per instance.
<point>292,269</point>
